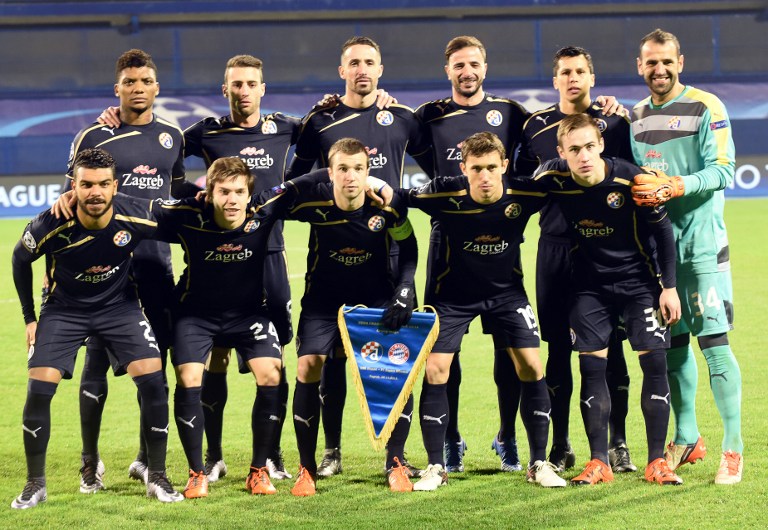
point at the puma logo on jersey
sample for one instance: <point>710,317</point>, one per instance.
<point>189,423</point>
<point>439,420</point>
<point>92,396</point>
<point>202,221</point>
<point>330,115</point>
<point>30,431</point>
<point>660,334</point>
<point>587,401</point>
<point>457,203</point>
<point>542,119</point>
<point>322,214</point>
<point>65,237</point>
<point>560,182</point>
<point>298,418</point>
<point>664,398</point>
<point>110,130</point>
<point>158,429</point>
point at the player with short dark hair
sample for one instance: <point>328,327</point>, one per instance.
<point>348,264</point>
<point>683,131</point>
<point>91,295</point>
<point>482,219</point>
<point>573,76</point>
<point>149,153</point>
<point>387,135</point>
<point>448,122</point>
<point>623,266</point>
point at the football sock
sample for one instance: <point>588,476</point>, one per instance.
<point>154,418</point>
<point>595,404</point>
<point>190,422</point>
<point>535,410</point>
<point>213,400</point>
<point>36,425</point>
<point>306,416</point>
<point>560,387</point>
<point>93,396</point>
<point>507,392</point>
<point>333,392</point>
<point>265,419</point>
<point>654,400</point>
<point>617,376</point>
<point>433,415</point>
<point>683,376</point>
<point>396,443</point>
<point>725,381</point>
<point>454,382</point>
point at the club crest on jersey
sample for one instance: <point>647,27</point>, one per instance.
<point>166,140</point>
<point>385,118</point>
<point>601,124</point>
<point>371,351</point>
<point>615,200</point>
<point>251,226</point>
<point>376,223</point>
<point>494,118</point>
<point>674,123</point>
<point>122,238</point>
<point>269,127</point>
<point>398,353</point>
<point>513,210</point>
<point>29,240</point>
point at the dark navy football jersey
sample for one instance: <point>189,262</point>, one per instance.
<point>264,148</point>
<point>448,124</point>
<point>387,134</point>
<point>86,268</point>
<point>148,157</point>
<point>613,234</point>
<point>480,257</point>
<point>348,259</point>
<point>539,144</point>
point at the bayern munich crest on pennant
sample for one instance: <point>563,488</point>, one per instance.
<point>615,200</point>
<point>371,351</point>
<point>122,238</point>
<point>376,223</point>
<point>494,118</point>
<point>399,353</point>
<point>166,140</point>
<point>384,118</point>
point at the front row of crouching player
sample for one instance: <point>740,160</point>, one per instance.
<point>483,215</point>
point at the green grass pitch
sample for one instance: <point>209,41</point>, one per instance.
<point>483,496</point>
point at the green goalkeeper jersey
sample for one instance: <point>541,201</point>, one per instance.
<point>690,136</point>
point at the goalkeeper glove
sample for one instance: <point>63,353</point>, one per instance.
<point>656,187</point>
<point>400,308</point>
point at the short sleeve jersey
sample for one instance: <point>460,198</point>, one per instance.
<point>264,148</point>
<point>690,136</point>
<point>481,255</point>
<point>448,124</point>
<point>387,134</point>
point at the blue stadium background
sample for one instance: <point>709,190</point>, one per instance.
<point>57,59</point>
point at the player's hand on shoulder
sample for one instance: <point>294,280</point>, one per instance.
<point>611,106</point>
<point>654,187</point>
<point>329,101</point>
<point>63,207</point>
<point>378,191</point>
<point>110,117</point>
<point>384,99</point>
<point>400,308</point>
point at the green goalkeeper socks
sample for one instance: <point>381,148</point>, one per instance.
<point>725,381</point>
<point>683,380</point>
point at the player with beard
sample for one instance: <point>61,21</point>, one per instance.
<point>572,76</point>
<point>387,134</point>
<point>91,294</point>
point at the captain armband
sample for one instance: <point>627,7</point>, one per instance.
<point>401,232</point>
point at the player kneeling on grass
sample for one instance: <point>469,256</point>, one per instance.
<point>615,275</point>
<point>91,295</point>
<point>482,219</point>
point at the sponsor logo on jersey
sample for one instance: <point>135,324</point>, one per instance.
<point>376,223</point>
<point>615,200</point>
<point>601,124</point>
<point>251,226</point>
<point>122,238</point>
<point>715,125</point>
<point>652,154</point>
<point>376,159</point>
<point>145,170</point>
<point>590,228</point>
<point>29,240</point>
<point>166,140</point>
<point>494,118</point>
<point>251,151</point>
<point>385,118</point>
<point>486,245</point>
<point>279,190</point>
<point>513,210</point>
<point>674,123</point>
<point>96,274</point>
<point>398,353</point>
<point>371,351</point>
<point>154,182</point>
<point>228,255</point>
<point>269,127</point>
<point>350,256</point>
<point>256,158</point>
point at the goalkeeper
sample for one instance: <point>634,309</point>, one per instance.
<point>685,132</point>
